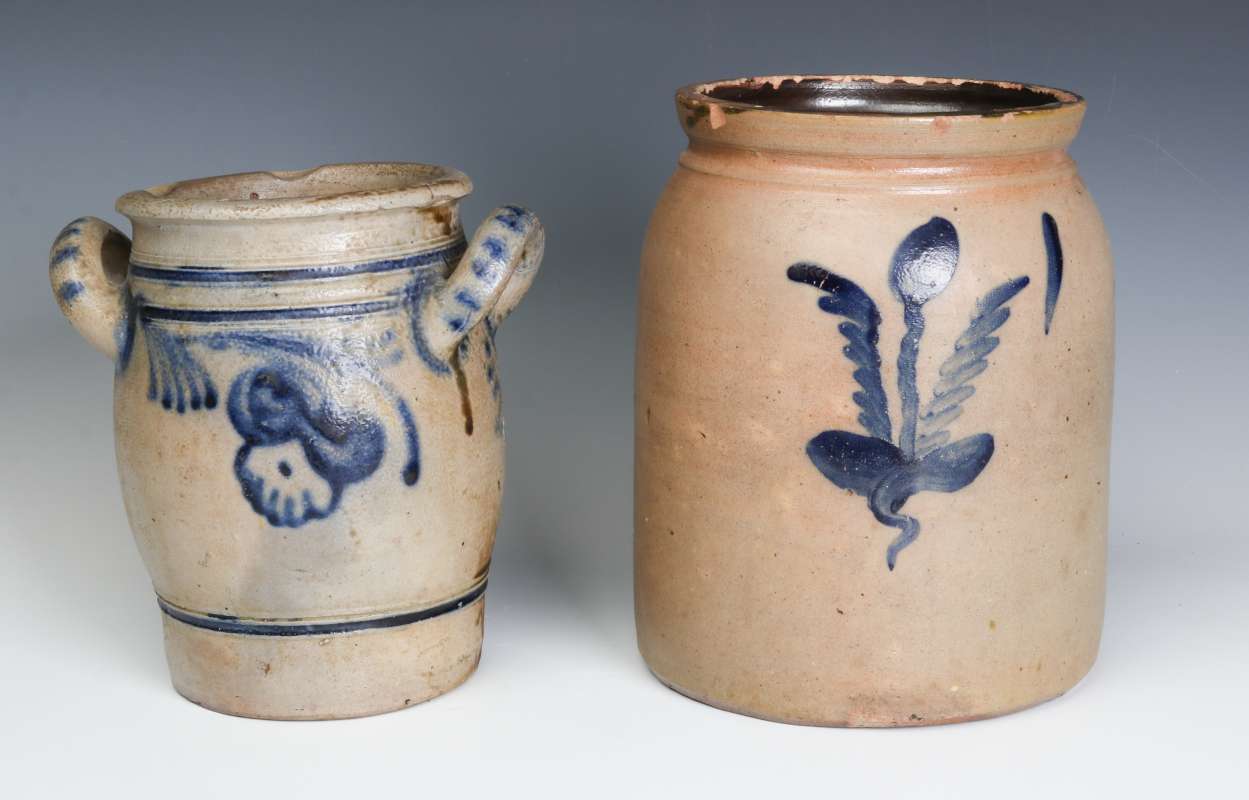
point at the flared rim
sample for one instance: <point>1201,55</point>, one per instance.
<point>285,194</point>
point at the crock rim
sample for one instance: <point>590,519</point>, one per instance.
<point>701,94</point>
<point>342,189</point>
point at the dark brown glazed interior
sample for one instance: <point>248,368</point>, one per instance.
<point>888,97</point>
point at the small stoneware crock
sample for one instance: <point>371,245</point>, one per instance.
<point>873,402</point>
<point>308,424</point>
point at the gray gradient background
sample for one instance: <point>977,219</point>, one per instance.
<point>567,110</point>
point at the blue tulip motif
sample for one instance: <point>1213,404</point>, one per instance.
<point>923,458</point>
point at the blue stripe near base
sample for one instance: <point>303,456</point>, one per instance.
<point>190,274</point>
<point>227,624</point>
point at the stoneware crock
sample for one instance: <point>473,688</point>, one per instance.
<point>873,402</point>
<point>308,424</point>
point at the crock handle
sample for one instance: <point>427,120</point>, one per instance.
<point>501,262</point>
<point>87,266</point>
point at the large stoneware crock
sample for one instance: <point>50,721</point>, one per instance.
<point>873,402</point>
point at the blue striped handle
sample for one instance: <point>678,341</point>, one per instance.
<point>497,269</point>
<point>87,265</point>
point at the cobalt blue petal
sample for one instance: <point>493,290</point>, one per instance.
<point>925,262</point>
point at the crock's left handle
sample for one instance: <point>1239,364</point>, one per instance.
<point>87,266</point>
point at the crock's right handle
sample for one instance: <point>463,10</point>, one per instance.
<point>497,269</point>
<point>87,266</point>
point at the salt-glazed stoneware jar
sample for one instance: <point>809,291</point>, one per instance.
<point>308,424</point>
<point>873,402</point>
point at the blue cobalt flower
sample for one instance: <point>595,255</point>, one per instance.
<point>923,459</point>
<point>300,448</point>
<point>925,262</point>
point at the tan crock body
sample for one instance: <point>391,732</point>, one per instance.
<point>308,424</point>
<point>802,553</point>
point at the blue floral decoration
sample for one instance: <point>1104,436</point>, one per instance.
<point>301,445</point>
<point>279,405</point>
<point>923,458</point>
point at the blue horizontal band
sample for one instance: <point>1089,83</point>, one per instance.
<point>227,624</point>
<point>260,314</point>
<point>190,274</point>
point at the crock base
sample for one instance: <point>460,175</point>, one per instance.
<point>910,720</point>
<point>331,676</point>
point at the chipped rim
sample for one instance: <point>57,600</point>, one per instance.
<point>325,190</point>
<point>996,127</point>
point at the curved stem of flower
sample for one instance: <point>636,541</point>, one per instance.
<point>880,503</point>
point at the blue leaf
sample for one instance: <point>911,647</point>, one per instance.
<point>954,466</point>
<point>175,376</point>
<point>862,332</point>
<point>852,461</point>
<point>969,359</point>
<point>1054,266</point>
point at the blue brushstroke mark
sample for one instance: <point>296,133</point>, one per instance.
<point>206,274</point>
<point>69,290</point>
<point>513,218</point>
<point>175,375</point>
<point>124,333</point>
<point>265,314</point>
<point>280,402</point>
<point>845,298</point>
<point>492,372</point>
<point>65,254</point>
<point>969,359</point>
<point>494,247</point>
<point>466,299</point>
<point>908,390</point>
<point>225,623</point>
<point>414,295</point>
<point>412,469</point>
<point>1054,262</point>
<point>873,467</point>
<point>923,266</point>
